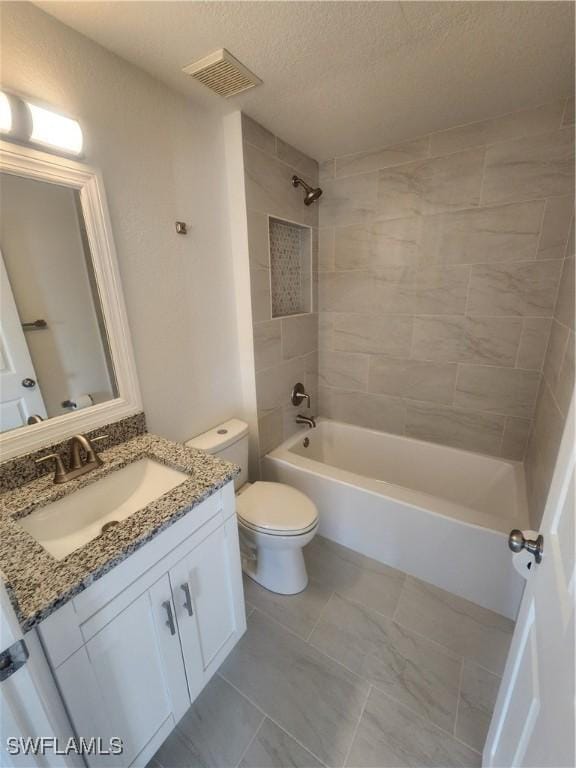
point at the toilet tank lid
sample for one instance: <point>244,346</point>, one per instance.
<point>220,437</point>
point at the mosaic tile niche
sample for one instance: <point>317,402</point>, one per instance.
<point>290,268</point>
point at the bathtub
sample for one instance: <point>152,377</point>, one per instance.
<point>441,514</point>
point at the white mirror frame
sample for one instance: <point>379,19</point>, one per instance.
<point>41,166</point>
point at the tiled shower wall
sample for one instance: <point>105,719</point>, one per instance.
<point>285,349</point>
<point>439,266</point>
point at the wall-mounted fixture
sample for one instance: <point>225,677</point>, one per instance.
<point>312,193</point>
<point>25,122</point>
<point>181,228</point>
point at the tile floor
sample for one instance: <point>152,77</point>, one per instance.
<point>368,668</point>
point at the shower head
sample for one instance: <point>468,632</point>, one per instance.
<point>312,193</point>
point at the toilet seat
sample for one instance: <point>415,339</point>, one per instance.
<point>276,509</point>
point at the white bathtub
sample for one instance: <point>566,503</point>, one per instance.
<point>441,514</point>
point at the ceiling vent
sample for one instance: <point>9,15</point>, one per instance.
<point>222,73</point>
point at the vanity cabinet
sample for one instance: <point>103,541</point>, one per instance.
<point>146,649</point>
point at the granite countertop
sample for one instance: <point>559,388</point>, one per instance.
<point>37,583</point>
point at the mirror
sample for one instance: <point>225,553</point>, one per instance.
<point>66,361</point>
<point>54,350</point>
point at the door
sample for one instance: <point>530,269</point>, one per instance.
<point>17,402</point>
<point>207,592</point>
<point>128,681</point>
<point>533,721</point>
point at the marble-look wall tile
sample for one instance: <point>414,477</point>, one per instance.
<point>558,216</point>
<point>364,162</point>
<point>346,292</point>
<point>373,334</point>
<point>456,427</point>
<point>441,290</point>
<point>258,240</point>
<point>432,382</point>
<point>555,354</point>
<point>387,414</point>
<point>431,186</point>
<point>483,235</point>
<point>514,125</point>
<point>533,343</point>
<point>542,452</point>
<point>343,369</point>
<point>326,169</point>
<point>261,295</point>
<point>521,289</point>
<point>299,335</point>
<point>515,439</point>
<point>273,385</point>
<point>256,134</point>
<point>568,116</point>
<point>326,249</point>
<point>464,248</point>
<point>507,391</point>
<point>296,159</point>
<point>349,200</point>
<point>393,291</point>
<point>565,385</point>
<point>270,431</point>
<point>267,344</point>
<point>529,168</point>
<point>564,310</point>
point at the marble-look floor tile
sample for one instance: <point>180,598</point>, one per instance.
<point>461,626</point>
<point>214,732</point>
<point>392,736</point>
<point>412,670</point>
<point>298,613</point>
<point>354,576</point>
<point>306,693</point>
<point>274,748</point>
<point>477,698</point>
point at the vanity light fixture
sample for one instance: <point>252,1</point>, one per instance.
<point>31,124</point>
<point>5,114</point>
<point>54,130</point>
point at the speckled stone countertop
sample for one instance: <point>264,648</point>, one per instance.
<point>37,583</point>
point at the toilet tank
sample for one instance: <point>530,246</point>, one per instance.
<point>228,441</point>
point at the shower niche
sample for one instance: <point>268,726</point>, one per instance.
<point>290,267</point>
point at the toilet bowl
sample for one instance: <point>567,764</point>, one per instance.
<point>275,521</point>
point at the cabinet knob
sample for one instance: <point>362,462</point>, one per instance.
<point>167,605</point>
<point>187,598</point>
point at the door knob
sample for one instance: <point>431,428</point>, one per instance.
<point>517,542</point>
<point>28,383</point>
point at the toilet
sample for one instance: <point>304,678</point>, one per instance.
<point>275,521</point>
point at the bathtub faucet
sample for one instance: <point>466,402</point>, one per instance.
<point>306,420</point>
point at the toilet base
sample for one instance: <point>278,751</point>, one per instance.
<point>275,562</point>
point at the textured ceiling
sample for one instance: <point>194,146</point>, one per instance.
<point>347,76</point>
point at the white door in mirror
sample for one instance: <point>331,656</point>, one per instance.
<point>533,721</point>
<point>17,400</point>
<point>69,523</point>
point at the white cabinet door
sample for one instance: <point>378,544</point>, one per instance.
<point>207,589</point>
<point>130,674</point>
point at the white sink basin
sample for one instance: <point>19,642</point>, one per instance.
<point>69,523</point>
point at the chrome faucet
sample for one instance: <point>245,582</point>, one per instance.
<point>77,466</point>
<point>306,420</point>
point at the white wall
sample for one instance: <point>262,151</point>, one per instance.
<point>161,161</point>
<point>44,256</point>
